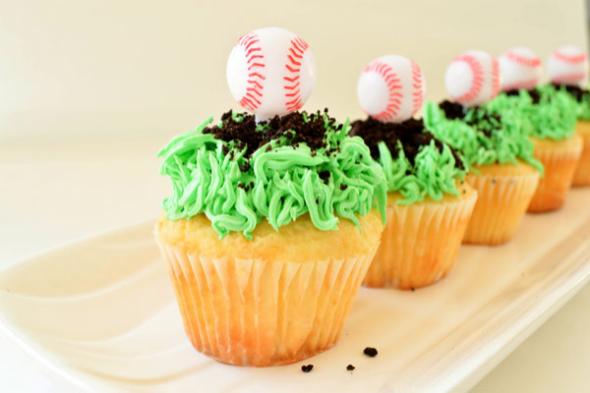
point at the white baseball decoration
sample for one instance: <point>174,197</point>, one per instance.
<point>568,65</point>
<point>391,89</point>
<point>473,78</point>
<point>520,68</point>
<point>271,71</point>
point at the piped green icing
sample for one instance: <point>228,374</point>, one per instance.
<point>278,182</point>
<point>582,97</point>
<point>482,139</point>
<point>416,165</point>
<point>552,117</point>
<point>434,173</point>
<point>584,108</point>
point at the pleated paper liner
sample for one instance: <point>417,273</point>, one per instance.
<point>560,159</point>
<point>582,174</point>
<point>420,242</point>
<point>504,192</point>
<point>263,311</point>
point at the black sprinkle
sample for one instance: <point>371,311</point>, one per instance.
<point>370,352</point>
<point>350,367</point>
<point>307,368</point>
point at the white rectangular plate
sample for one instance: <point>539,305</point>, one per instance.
<point>101,313</point>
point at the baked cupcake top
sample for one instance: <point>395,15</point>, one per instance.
<point>239,172</point>
<point>544,112</point>
<point>480,134</point>
<point>415,163</point>
<point>582,97</point>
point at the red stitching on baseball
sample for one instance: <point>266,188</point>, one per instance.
<point>294,53</point>
<point>292,69</point>
<point>256,75</point>
<point>393,86</point>
<point>476,83</point>
<point>523,60</point>
<point>252,98</point>
<point>250,51</point>
<point>254,57</point>
<point>255,83</point>
<point>255,65</point>
<point>570,58</point>
<point>571,77</point>
<point>292,86</point>
<point>417,96</point>
<point>254,90</point>
<point>299,44</point>
<point>528,84</point>
<point>293,61</point>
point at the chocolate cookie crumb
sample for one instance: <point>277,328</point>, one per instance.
<point>411,134</point>
<point>370,352</point>
<point>576,92</point>
<point>295,128</point>
<point>452,110</point>
<point>483,120</point>
<point>533,93</point>
<point>307,368</point>
<point>350,367</point>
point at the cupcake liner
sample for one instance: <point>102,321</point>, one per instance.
<point>254,312</point>
<point>503,195</point>
<point>420,242</point>
<point>582,173</point>
<point>560,159</point>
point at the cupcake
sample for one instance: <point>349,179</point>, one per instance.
<point>568,69</point>
<point>428,203</point>
<point>273,218</point>
<point>497,153</point>
<point>548,116</point>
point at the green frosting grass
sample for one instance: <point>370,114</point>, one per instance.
<point>278,182</point>
<point>433,174</point>
<point>482,137</point>
<point>584,108</point>
<point>553,116</point>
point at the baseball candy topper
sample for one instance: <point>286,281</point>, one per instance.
<point>270,71</point>
<point>473,78</point>
<point>391,89</point>
<point>568,65</point>
<point>520,68</point>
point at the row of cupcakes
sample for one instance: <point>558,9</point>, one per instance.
<point>277,217</point>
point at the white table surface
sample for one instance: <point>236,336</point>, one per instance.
<point>53,191</point>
